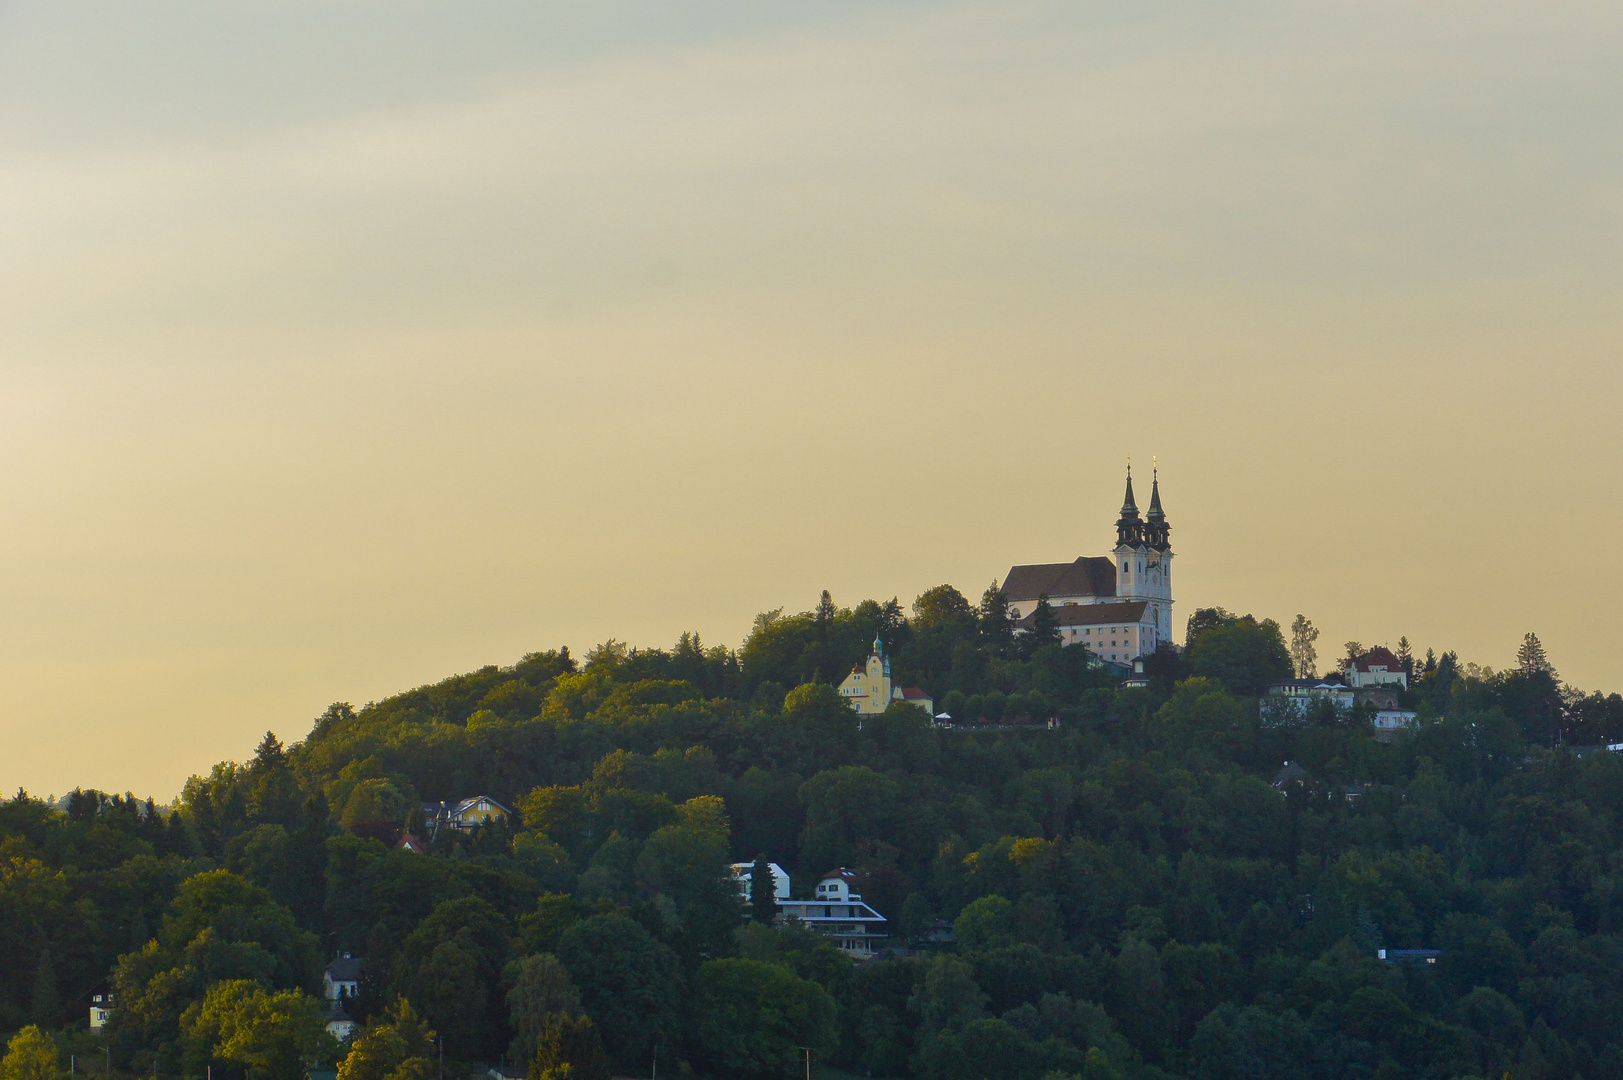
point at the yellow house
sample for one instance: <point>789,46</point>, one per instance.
<point>869,689</point>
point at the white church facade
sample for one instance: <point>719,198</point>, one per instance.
<point>1119,607</point>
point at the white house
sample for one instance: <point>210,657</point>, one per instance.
<point>1377,667</point>
<point>1306,691</point>
<point>1389,722</point>
<point>744,871</point>
<point>839,912</point>
<point>869,689</point>
<point>342,978</point>
<point>340,1025</point>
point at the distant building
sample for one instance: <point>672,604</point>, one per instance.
<point>477,810</point>
<point>1390,723</point>
<point>840,913</point>
<point>1306,691</point>
<point>342,979</point>
<point>743,872</point>
<point>1377,667</point>
<point>409,842</point>
<point>101,1009</point>
<point>869,689</point>
<point>340,1025</point>
<point>1292,773</point>
<point>1118,610</point>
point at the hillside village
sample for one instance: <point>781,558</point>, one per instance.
<point>1031,837</point>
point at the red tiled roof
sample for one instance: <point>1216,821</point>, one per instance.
<point>1377,657</point>
<point>911,693</point>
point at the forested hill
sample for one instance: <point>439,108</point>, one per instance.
<point>1128,894</point>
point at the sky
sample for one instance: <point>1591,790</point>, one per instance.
<point>346,345</point>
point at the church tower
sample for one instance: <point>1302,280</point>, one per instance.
<point>1144,558</point>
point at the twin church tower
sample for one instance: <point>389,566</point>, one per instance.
<point>1118,610</point>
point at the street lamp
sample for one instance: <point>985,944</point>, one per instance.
<point>808,1060</point>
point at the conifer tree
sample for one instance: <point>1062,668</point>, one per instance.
<point>763,891</point>
<point>1530,658</point>
<point>47,1003</point>
<point>1044,630</point>
<point>997,629</point>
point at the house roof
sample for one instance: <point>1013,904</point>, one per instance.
<point>1292,772</point>
<point>844,873</point>
<point>345,969</point>
<point>913,693</point>
<point>1379,656</point>
<point>1091,614</point>
<point>467,803</point>
<point>409,842</point>
<point>1087,576</point>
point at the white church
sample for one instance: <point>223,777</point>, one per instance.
<point>1119,610</point>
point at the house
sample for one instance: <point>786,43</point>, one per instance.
<point>409,842</point>
<point>838,911</point>
<point>870,690</point>
<point>1413,956</point>
<point>1377,667</point>
<point>477,810</point>
<point>743,872</point>
<point>101,1009</point>
<point>1292,773</point>
<point>340,1025</point>
<point>1305,691</point>
<point>1390,723</point>
<point>342,978</point>
<point>1136,587</point>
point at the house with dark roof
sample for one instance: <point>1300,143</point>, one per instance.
<point>342,979</point>
<point>1117,608</point>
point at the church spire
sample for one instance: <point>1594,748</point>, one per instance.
<point>1129,529</point>
<point>1156,527</point>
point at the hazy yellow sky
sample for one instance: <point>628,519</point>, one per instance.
<point>346,345</point>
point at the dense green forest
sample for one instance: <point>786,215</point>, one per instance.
<point>1128,894</point>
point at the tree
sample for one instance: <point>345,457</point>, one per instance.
<point>763,891</point>
<point>1204,619</point>
<point>628,982</point>
<point>942,606</point>
<point>1406,656</point>
<point>270,1035</point>
<point>1354,649</point>
<point>1304,657</point>
<point>1044,630</point>
<point>540,990</point>
<point>30,1055</point>
<point>997,629</point>
<point>400,1047</point>
<point>948,998</point>
<point>826,611</point>
<point>47,1002</point>
<point>568,1046</point>
<point>1530,658</point>
<point>1244,655</point>
<point>755,1017</point>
